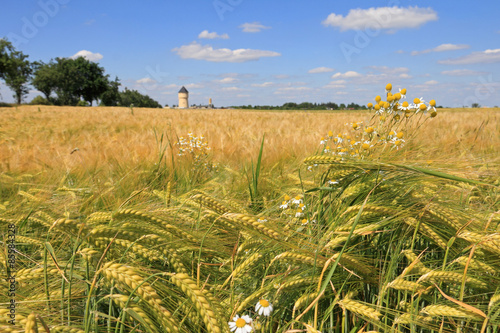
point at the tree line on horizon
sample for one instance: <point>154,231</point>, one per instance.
<point>65,81</point>
<point>305,106</point>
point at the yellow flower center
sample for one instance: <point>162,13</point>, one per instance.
<point>378,99</point>
<point>377,107</point>
<point>391,133</point>
<point>433,114</point>
<point>400,135</point>
<point>397,143</point>
<point>390,98</point>
<point>301,205</point>
<point>330,133</point>
<point>403,91</point>
<point>432,102</point>
<point>382,118</point>
<point>240,322</point>
<point>387,105</point>
<point>354,125</point>
<point>416,101</point>
<point>397,96</point>
<point>397,117</point>
<point>366,146</point>
<point>287,197</point>
<point>370,105</point>
<point>405,104</point>
<point>297,197</point>
<point>388,87</point>
<point>422,107</point>
<point>369,130</point>
<point>264,302</point>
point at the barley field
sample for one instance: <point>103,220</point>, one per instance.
<point>163,220</point>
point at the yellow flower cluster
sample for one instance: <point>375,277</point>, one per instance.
<point>389,125</point>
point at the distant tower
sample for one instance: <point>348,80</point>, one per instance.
<point>210,105</point>
<point>183,98</point>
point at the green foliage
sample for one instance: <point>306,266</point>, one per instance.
<point>136,99</point>
<point>111,97</point>
<point>39,100</point>
<point>15,69</point>
<point>45,78</point>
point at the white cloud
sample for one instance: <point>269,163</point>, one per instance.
<point>227,80</point>
<point>291,90</point>
<point>390,70</point>
<point>389,18</point>
<point>212,35</point>
<point>231,89</point>
<point>405,76</point>
<point>253,27</point>
<point>87,55</point>
<point>346,75</point>
<point>462,72</point>
<point>480,57</point>
<point>431,82</point>
<point>262,85</point>
<point>336,84</point>
<point>208,53</point>
<point>320,70</point>
<point>442,48</point>
<point>194,86</point>
<point>146,80</point>
<point>281,76</point>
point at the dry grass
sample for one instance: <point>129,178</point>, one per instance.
<point>35,138</point>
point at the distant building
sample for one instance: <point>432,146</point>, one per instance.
<point>183,98</point>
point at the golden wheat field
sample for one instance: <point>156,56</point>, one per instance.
<point>121,220</point>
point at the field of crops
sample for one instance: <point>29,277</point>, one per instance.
<point>151,220</point>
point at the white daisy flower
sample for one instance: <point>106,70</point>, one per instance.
<point>263,307</point>
<point>297,200</point>
<point>323,141</point>
<point>332,182</point>
<point>241,325</point>
<point>261,220</point>
<point>284,205</point>
<point>299,213</point>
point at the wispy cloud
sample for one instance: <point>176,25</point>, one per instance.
<point>320,70</point>
<point>388,18</point>
<point>480,57</point>
<point>442,48</point>
<point>212,35</point>
<point>462,72</point>
<point>346,75</point>
<point>90,56</point>
<point>253,27</point>
<point>227,80</point>
<point>262,85</point>
<point>208,53</point>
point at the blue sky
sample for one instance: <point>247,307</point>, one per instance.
<point>241,52</point>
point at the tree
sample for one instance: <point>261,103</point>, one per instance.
<point>45,78</point>
<point>111,97</point>
<point>94,82</point>
<point>78,79</point>
<point>133,97</point>
<point>15,69</point>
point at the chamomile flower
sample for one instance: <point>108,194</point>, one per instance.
<point>262,220</point>
<point>241,325</point>
<point>402,92</point>
<point>397,143</point>
<point>284,205</point>
<point>323,141</point>
<point>297,200</point>
<point>264,308</point>
<point>332,182</point>
<point>299,213</point>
